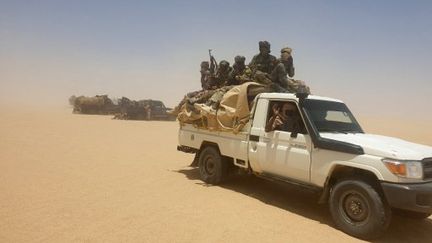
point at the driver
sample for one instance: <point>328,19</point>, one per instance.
<point>285,118</point>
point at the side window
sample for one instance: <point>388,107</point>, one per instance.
<point>284,116</point>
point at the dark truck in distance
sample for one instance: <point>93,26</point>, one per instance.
<point>156,110</point>
<point>143,110</point>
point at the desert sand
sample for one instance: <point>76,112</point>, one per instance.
<point>86,178</point>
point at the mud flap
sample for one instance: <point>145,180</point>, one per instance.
<point>195,161</point>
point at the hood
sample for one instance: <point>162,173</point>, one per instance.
<point>383,146</point>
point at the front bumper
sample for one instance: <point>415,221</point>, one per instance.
<point>413,197</point>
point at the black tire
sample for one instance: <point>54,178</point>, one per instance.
<point>411,214</point>
<point>358,209</point>
<point>213,168</point>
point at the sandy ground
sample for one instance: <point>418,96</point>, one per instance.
<point>78,178</point>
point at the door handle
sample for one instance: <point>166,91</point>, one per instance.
<point>254,138</point>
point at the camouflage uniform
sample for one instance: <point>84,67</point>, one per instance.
<point>279,77</point>
<point>217,96</point>
<point>263,62</point>
<point>190,99</point>
<point>240,72</point>
<point>205,75</point>
<point>211,84</point>
<point>282,70</point>
<point>222,75</point>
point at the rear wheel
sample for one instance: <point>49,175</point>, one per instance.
<point>358,209</point>
<point>213,168</point>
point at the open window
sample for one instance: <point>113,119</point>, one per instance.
<point>284,116</point>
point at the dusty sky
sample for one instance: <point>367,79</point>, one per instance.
<point>374,55</point>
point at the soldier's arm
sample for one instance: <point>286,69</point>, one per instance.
<point>291,68</point>
<point>281,74</point>
<point>273,63</point>
<point>252,64</point>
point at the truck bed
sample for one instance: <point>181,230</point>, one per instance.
<point>230,144</point>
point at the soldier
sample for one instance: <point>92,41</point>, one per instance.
<point>282,70</point>
<point>287,59</point>
<point>240,72</point>
<point>222,75</point>
<point>286,118</point>
<point>263,62</point>
<point>205,75</point>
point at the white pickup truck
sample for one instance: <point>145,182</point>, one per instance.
<point>363,177</point>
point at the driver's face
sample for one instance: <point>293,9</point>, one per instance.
<point>289,109</point>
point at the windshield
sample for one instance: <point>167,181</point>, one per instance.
<point>329,116</point>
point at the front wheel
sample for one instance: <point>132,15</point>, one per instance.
<point>213,168</point>
<point>358,209</point>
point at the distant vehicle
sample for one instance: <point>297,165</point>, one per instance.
<point>99,104</point>
<point>156,110</point>
<point>364,178</point>
<point>143,110</point>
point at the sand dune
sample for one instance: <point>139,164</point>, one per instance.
<point>67,177</point>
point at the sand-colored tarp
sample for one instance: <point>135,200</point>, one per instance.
<point>232,114</point>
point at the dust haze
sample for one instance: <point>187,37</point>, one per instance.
<point>67,177</point>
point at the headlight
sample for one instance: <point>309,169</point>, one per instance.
<point>408,169</point>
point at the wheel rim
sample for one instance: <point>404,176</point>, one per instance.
<point>209,165</point>
<point>354,207</point>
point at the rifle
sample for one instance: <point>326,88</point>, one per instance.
<point>213,64</point>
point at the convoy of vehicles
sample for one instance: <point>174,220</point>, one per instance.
<point>123,108</point>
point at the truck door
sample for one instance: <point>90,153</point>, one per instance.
<point>277,152</point>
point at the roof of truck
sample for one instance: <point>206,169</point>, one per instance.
<point>293,96</point>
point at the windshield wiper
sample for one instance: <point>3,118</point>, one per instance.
<point>349,131</point>
<point>332,131</point>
